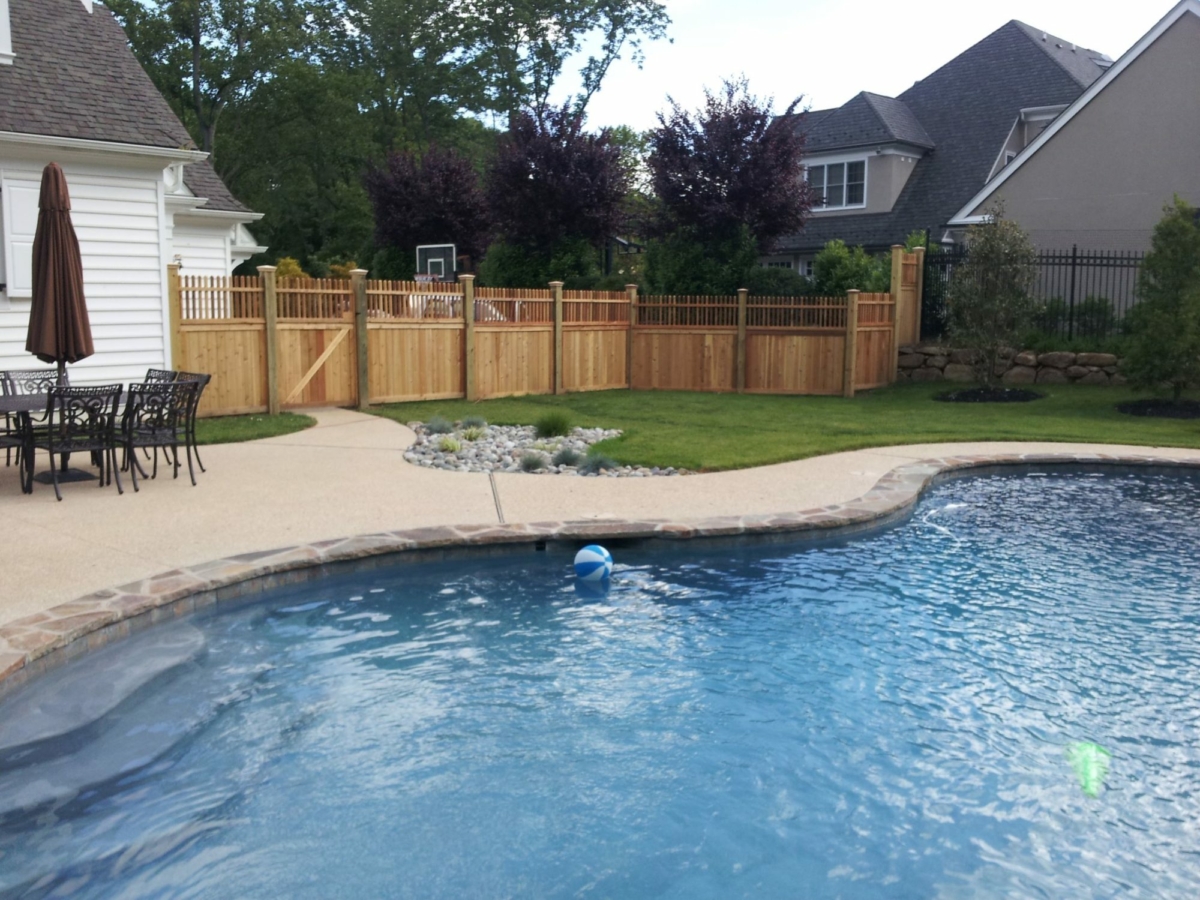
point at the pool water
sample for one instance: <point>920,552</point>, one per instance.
<point>887,716</point>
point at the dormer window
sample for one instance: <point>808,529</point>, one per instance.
<point>839,185</point>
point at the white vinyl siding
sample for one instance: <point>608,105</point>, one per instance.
<point>202,249</point>
<point>117,220</point>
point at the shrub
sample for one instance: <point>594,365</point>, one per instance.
<point>766,281</point>
<point>1164,327</point>
<point>989,297</point>
<point>532,461</point>
<point>553,424</point>
<point>597,463</point>
<point>439,425</point>
<point>567,457</point>
<point>473,433</point>
<point>684,263</point>
<point>838,268</point>
<point>474,422</point>
<point>448,444</point>
<point>289,267</point>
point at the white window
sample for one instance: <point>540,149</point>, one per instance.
<point>779,264</point>
<point>839,185</point>
<point>806,268</point>
<point>18,225</point>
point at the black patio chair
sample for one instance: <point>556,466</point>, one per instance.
<point>82,420</point>
<point>156,416</point>
<point>159,376</point>
<point>18,383</point>
<point>201,381</point>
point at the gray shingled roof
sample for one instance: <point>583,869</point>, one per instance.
<point>74,76</point>
<point>203,181</point>
<point>967,108</point>
<point>865,119</point>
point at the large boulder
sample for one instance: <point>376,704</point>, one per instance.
<point>962,357</point>
<point>958,372</point>
<point>937,362</point>
<point>1096,359</point>
<point>911,361</point>
<point>931,350</point>
<point>1026,358</point>
<point>1020,375</point>
<point>1051,375</point>
<point>1077,372</point>
<point>1057,360</point>
<point>1096,376</point>
<point>927,374</point>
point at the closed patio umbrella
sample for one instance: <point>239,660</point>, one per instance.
<point>59,331</point>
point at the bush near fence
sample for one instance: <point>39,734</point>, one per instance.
<point>285,343</point>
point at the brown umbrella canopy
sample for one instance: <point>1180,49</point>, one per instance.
<point>59,331</point>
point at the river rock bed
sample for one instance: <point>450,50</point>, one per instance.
<point>502,448</point>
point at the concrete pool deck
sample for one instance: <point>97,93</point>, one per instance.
<point>347,477</point>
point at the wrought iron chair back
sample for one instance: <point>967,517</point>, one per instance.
<point>156,416</point>
<point>82,420</point>
<point>159,376</point>
<point>19,382</point>
<point>201,381</point>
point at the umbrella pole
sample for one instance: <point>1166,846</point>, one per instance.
<point>62,373</point>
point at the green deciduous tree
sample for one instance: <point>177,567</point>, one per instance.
<point>1164,347</point>
<point>838,268</point>
<point>990,302</point>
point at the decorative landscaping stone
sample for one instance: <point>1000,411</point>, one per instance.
<point>958,372</point>
<point>937,362</point>
<point>1026,358</point>
<point>503,448</point>
<point>1096,376</point>
<point>927,375</point>
<point>1051,375</point>
<point>1020,375</point>
<point>1077,372</point>
<point>1096,359</point>
<point>912,361</point>
<point>962,358</point>
<point>1057,360</point>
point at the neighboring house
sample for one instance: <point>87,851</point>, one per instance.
<point>888,166</point>
<point>72,92</point>
<point>1099,175</point>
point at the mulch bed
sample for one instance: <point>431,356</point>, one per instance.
<point>989,395</point>
<point>1162,409</point>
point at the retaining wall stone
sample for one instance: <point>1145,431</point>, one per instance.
<point>930,362</point>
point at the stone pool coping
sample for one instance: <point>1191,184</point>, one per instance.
<point>35,643</point>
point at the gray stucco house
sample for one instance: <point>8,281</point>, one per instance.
<point>888,166</point>
<point>1100,173</point>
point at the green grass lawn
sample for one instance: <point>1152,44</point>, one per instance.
<point>232,429</point>
<point>730,431</point>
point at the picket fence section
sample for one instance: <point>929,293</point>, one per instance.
<point>287,343</point>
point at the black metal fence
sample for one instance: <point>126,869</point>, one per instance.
<point>1080,293</point>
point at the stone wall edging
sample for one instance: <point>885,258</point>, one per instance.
<point>35,643</point>
<point>933,362</point>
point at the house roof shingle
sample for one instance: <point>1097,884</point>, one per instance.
<point>203,181</point>
<point>966,110</point>
<point>74,76</point>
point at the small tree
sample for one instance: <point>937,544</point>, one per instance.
<point>552,182</point>
<point>990,302</point>
<point>734,164</point>
<point>838,268</point>
<point>434,198</point>
<point>1165,325</point>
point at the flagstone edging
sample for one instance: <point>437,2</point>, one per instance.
<point>30,645</point>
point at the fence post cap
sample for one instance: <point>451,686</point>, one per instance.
<point>556,284</point>
<point>854,291</point>
<point>628,286</point>
<point>897,246</point>
<point>267,268</point>
<point>359,272</point>
<point>466,277</point>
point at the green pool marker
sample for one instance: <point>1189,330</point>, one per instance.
<point>1090,762</point>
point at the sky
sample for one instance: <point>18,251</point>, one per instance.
<point>828,51</point>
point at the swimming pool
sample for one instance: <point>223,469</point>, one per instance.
<point>884,716</point>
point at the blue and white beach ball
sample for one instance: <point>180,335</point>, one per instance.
<point>593,563</point>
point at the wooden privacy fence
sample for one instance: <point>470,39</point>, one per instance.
<point>288,343</point>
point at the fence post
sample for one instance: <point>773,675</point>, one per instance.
<point>556,288</point>
<point>358,283</point>
<point>1071,308</point>
<point>740,372</point>
<point>267,274</point>
<point>468,286</point>
<point>897,290</point>
<point>632,291</point>
<point>851,353</point>
<point>175,312</point>
<point>919,295</point>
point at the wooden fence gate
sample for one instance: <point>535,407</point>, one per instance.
<point>274,344</point>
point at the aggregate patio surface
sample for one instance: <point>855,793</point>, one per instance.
<point>342,490</point>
